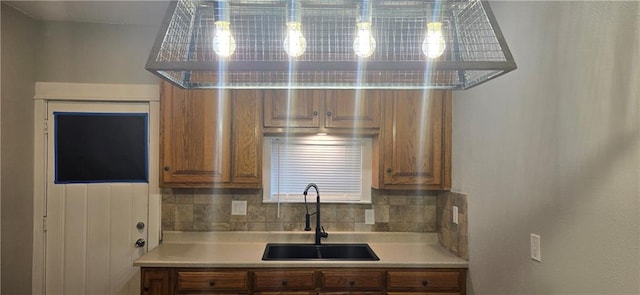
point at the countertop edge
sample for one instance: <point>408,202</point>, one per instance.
<point>244,250</point>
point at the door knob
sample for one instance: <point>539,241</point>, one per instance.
<point>140,225</point>
<point>140,243</point>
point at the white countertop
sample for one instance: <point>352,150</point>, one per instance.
<point>245,249</point>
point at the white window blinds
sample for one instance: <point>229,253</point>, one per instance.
<point>336,165</point>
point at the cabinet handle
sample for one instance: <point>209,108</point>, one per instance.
<point>352,283</point>
<point>285,282</point>
<point>315,113</point>
<point>167,168</point>
<point>212,283</point>
<point>389,170</point>
<point>328,114</point>
<point>425,283</point>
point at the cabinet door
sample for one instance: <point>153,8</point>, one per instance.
<point>155,282</point>
<point>195,137</point>
<point>247,137</point>
<point>416,140</point>
<point>292,108</point>
<point>352,109</point>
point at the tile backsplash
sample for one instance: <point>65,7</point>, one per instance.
<point>451,235</point>
<point>210,210</point>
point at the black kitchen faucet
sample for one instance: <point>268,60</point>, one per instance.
<point>320,233</point>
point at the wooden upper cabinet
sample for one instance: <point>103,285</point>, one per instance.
<point>247,137</point>
<point>322,108</point>
<point>352,109</point>
<point>197,130</point>
<point>195,137</point>
<point>415,145</point>
<point>292,108</point>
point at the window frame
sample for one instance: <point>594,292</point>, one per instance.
<point>366,168</point>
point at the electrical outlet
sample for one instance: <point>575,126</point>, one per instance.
<point>369,217</point>
<point>238,207</point>
<point>536,253</point>
<point>455,214</point>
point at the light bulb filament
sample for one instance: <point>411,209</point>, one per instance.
<point>434,44</point>
<point>223,43</point>
<point>294,43</point>
<point>364,45</point>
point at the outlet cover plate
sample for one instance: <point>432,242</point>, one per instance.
<point>369,217</point>
<point>238,207</point>
<point>536,253</point>
<point>455,214</point>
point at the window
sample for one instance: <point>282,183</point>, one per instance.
<point>100,147</point>
<point>341,167</point>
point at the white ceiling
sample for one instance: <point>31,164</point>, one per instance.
<point>107,12</point>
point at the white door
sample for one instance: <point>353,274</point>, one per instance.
<point>91,228</point>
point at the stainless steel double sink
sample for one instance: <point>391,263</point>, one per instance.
<point>292,252</point>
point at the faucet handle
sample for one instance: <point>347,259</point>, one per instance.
<point>323,234</point>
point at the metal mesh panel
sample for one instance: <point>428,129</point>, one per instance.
<point>184,53</point>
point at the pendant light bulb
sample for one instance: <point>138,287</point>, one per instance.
<point>223,43</point>
<point>294,43</point>
<point>364,45</point>
<point>434,44</point>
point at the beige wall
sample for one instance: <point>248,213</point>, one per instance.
<point>553,148</point>
<point>19,36</point>
<point>95,53</point>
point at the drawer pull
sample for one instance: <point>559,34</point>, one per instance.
<point>285,282</point>
<point>352,283</point>
<point>425,283</point>
<point>212,283</point>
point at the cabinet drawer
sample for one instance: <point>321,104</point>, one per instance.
<point>423,280</point>
<point>284,280</point>
<point>352,279</point>
<point>200,281</point>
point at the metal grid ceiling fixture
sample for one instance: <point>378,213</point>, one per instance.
<point>418,44</point>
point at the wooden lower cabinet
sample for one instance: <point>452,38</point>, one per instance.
<point>306,281</point>
<point>156,281</point>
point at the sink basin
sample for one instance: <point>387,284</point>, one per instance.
<point>356,252</point>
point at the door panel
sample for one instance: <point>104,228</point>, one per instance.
<point>352,108</point>
<point>292,108</point>
<point>91,227</point>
